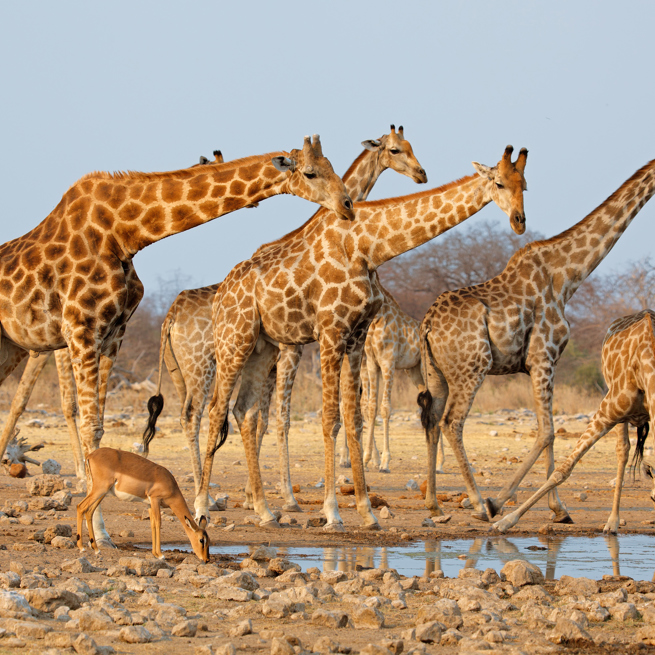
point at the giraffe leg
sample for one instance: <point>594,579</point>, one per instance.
<point>385,411</point>
<point>246,411</point>
<point>541,375</point>
<point>31,373</point>
<point>622,453</point>
<point>69,406</point>
<point>287,368</point>
<point>349,383</point>
<point>373,385</point>
<point>331,359</point>
<point>263,409</point>
<point>599,426</point>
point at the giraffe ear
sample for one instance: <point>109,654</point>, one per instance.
<point>648,470</point>
<point>484,171</point>
<point>203,160</point>
<point>284,164</point>
<point>372,144</point>
<point>202,524</point>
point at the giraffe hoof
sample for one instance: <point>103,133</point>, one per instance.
<point>292,507</point>
<point>481,516</point>
<point>333,527</point>
<point>492,508</point>
<point>346,465</point>
<point>270,524</point>
<point>383,469</point>
<point>610,529</point>
<point>106,543</point>
<point>563,518</point>
<point>372,527</point>
<point>440,472</point>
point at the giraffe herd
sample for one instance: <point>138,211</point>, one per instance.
<point>70,286</point>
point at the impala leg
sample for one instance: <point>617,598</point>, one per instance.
<point>287,368</point>
<point>155,526</point>
<point>350,385</point>
<point>92,507</point>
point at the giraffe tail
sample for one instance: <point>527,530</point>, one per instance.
<point>222,436</point>
<point>156,402</point>
<point>642,434</point>
<point>424,398</point>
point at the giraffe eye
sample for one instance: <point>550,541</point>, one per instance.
<point>394,151</point>
<point>499,185</point>
<point>310,176</point>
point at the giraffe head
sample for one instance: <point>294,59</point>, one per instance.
<point>311,177</point>
<point>396,153</point>
<point>508,183</point>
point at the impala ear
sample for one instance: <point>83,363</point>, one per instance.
<point>485,171</point>
<point>372,144</point>
<point>284,164</point>
<point>187,520</point>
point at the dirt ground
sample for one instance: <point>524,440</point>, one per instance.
<point>495,444</point>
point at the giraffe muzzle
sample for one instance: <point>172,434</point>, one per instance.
<point>518,222</point>
<point>421,177</point>
<point>347,212</point>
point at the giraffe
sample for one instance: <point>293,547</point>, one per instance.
<point>514,323</point>
<point>392,343</point>
<point>187,343</point>
<point>35,366</point>
<point>70,282</point>
<point>315,285</point>
<point>628,362</point>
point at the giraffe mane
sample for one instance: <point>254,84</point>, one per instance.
<point>181,173</point>
<point>355,164</point>
<point>533,245</point>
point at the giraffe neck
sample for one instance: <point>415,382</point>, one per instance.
<point>572,256</point>
<point>139,209</point>
<point>391,227</point>
<point>362,175</point>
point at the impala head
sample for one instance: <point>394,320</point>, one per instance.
<point>198,537</point>
<point>311,177</point>
<point>507,185</point>
<point>396,153</point>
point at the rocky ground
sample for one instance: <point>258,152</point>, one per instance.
<point>53,600</point>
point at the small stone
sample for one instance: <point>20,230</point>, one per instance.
<point>581,496</point>
<point>325,645</point>
<point>445,611</point>
<point>567,585</point>
<point>85,645</point>
<point>51,467</point>
<point>185,629</point>
<point>48,600</point>
<point>330,619</point>
<point>546,528</point>
<point>26,519</point>
<point>375,649</point>
<point>396,646</point>
<point>315,522</point>
<point>135,634</point>
<point>493,433</point>
<point>165,573</point>
<point>79,565</point>
<point>386,513</point>
<point>427,523</point>
<point>519,572</point>
<point>126,534</point>
<point>143,567</point>
<point>429,632</point>
<point>567,631</point>
<point>412,485</point>
<point>62,543</point>
<point>45,485</point>
<point>281,647</point>
<point>624,612</point>
<point>243,628</point>
<point>465,503</point>
<point>263,553</point>
<point>368,617</point>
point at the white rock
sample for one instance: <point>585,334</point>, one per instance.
<point>51,467</point>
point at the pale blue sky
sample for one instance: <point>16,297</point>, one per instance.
<point>152,85</point>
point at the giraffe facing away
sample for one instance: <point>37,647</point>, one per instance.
<point>32,371</point>
<point>392,344</point>
<point>316,284</point>
<point>70,282</point>
<point>628,362</point>
<point>515,323</point>
<point>187,342</point>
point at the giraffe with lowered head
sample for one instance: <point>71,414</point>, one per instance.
<point>316,284</point>
<point>628,361</point>
<point>515,323</point>
<point>32,371</point>
<point>187,343</point>
<point>70,282</point>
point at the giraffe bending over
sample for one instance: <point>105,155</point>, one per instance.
<point>316,284</point>
<point>628,361</point>
<point>392,344</point>
<point>70,282</point>
<point>515,323</point>
<point>187,342</point>
<point>35,366</point>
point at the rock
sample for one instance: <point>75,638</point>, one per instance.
<point>429,632</point>
<point>243,628</point>
<point>546,528</point>
<point>227,592</point>
<point>51,467</point>
<point>135,634</point>
<point>85,645</point>
<point>58,530</point>
<point>396,646</point>
<point>59,640</point>
<point>325,645</point>
<point>11,601</point>
<point>386,513</point>
<point>368,617</point>
<point>48,600</point>
<point>17,470</point>
<point>490,577</point>
<point>624,612</point>
<point>427,523</point>
<point>281,647</point>
<point>375,649</point>
<point>45,485</point>
<point>227,649</point>
<point>253,519</point>
<point>568,632</point>
<point>241,579</point>
<point>143,567</point>
<point>333,577</point>
<point>26,519</point>
<point>10,579</point>
<point>412,485</point>
<point>330,619</point>
<point>28,629</point>
<point>518,573</point>
<point>277,608</point>
<point>204,650</point>
<point>279,565</point>
<point>62,543</point>
<point>451,637</point>
<point>465,503</point>
<point>170,614</point>
<point>92,620</point>
<point>263,553</point>
<point>185,629</point>
<point>80,565</point>
<point>568,586</point>
<point>646,635</point>
<point>315,522</point>
<point>445,611</point>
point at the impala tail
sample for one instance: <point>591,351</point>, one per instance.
<point>642,434</point>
